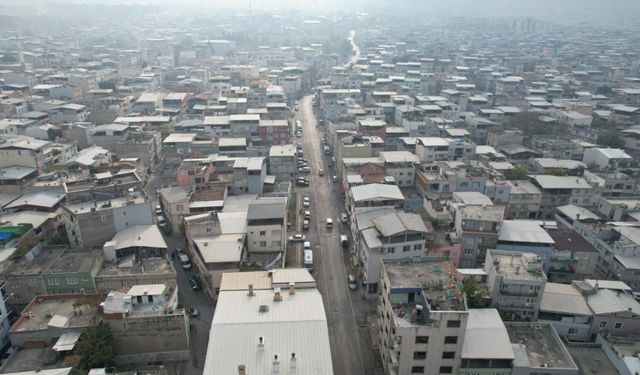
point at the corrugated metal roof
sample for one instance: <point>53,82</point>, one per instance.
<point>297,325</point>
<point>563,299</point>
<point>606,301</point>
<point>486,337</point>
<point>267,208</point>
<point>398,222</point>
<point>376,192</point>
<point>524,231</point>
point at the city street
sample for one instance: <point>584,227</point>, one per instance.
<point>347,313</point>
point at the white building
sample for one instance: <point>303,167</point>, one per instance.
<point>269,325</point>
<point>485,326</point>
<point>267,227</point>
<point>282,162</point>
<point>607,157</point>
<point>566,309</point>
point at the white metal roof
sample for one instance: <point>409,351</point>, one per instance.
<point>486,337</point>
<point>41,198</point>
<point>148,289</point>
<point>524,231</point>
<point>561,182</point>
<point>224,248</point>
<point>373,192</point>
<point>140,236</point>
<point>297,324</point>
<point>67,341</point>
<point>563,299</point>
<point>399,222</point>
<point>572,211</point>
<point>607,301</point>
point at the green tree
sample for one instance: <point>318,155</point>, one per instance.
<point>610,138</point>
<point>517,173</point>
<point>97,347</point>
<point>474,297</point>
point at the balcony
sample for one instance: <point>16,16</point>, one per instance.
<point>519,293</point>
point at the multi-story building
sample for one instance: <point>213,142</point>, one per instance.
<point>175,206</point>
<point>607,158</point>
<point>524,200</point>
<point>401,166</point>
<point>422,318</point>
<point>477,227</point>
<point>24,151</point>
<point>516,282</point>
<point>560,191</point>
<point>134,271</point>
<point>274,132</point>
<point>282,162</point>
<point>267,228</point>
<point>485,326</point>
<point>393,236</point>
<point>249,175</point>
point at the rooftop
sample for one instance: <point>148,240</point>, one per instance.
<point>538,346</point>
<point>267,208</point>
<point>399,222</point>
<point>485,326</point>
<point>487,213</point>
<point>139,236</point>
<point>376,192</point>
<point>46,199</point>
<point>223,248</point>
<point>148,266</point>
<point>561,182</point>
<point>563,299</point>
<point>528,231</point>
<point>514,265</point>
<point>57,311</point>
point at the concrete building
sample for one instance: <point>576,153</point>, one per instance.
<point>175,206</point>
<point>524,200</point>
<point>93,223</point>
<point>249,175</point>
<point>393,236</point>
<point>24,151</point>
<point>564,306</point>
<point>539,350</point>
<point>147,324</point>
<point>559,191</point>
<point>422,318</point>
<point>263,324</point>
<point>607,158</point>
<point>516,282</point>
<point>477,227</point>
<point>485,326</point>
<point>267,228</point>
<point>374,195</point>
<point>401,166</point>
<point>282,162</point>
<point>131,271</point>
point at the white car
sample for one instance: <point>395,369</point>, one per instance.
<point>329,223</point>
<point>297,238</point>
<point>306,202</point>
<point>344,218</point>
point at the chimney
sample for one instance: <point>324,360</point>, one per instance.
<point>292,289</point>
<point>277,297</point>
<point>251,294</point>
<point>276,364</point>
<point>261,343</point>
<point>293,362</point>
<point>241,370</point>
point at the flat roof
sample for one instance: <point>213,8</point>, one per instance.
<point>485,326</point>
<point>487,213</point>
<point>47,199</point>
<point>59,311</point>
<point>561,182</point>
<point>538,346</point>
<point>223,248</point>
<point>180,138</point>
<point>564,299</point>
<point>286,327</point>
<point>472,198</point>
<point>524,231</point>
<point>140,236</point>
<point>15,172</point>
<point>513,265</point>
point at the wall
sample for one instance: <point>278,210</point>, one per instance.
<point>132,214</point>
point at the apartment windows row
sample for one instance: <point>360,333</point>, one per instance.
<point>421,355</point>
<point>405,248</point>
<point>443,370</point>
<point>447,339</point>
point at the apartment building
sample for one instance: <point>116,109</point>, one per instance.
<point>560,191</point>
<point>477,227</point>
<point>267,227</point>
<point>607,158</point>
<point>422,318</point>
<point>401,166</point>
<point>516,282</point>
<point>524,200</point>
<point>486,326</point>
<point>393,236</point>
<point>282,162</point>
<point>24,151</point>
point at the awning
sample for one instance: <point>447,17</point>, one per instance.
<point>67,341</point>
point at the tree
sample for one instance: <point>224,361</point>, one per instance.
<point>97,347</point>
<point>517,173</point>
<point>610,138</point>
<point>474,297</point>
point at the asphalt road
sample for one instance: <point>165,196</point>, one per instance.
<point>347,314</point>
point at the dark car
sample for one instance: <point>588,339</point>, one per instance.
<point>195,283</point>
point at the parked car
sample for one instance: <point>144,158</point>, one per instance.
<point>307,215</point>
<point>305,170</point>
<point>297,238</point>
<point>306,202</point>
<point>302,182</point>
<point>344,218</point>
<point>353,283</point>
<point>305,225</point>
<point>185,261</point>
<point>195,283</point>
<point>307,245</point>
<point>158,210</point>
<point>335,178</point>
<point>193,312</point>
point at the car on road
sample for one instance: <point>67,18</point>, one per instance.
<point>307,245</point>
<point>307,215</point>
<point>193,312</point>
<point>306,202</point>
<point>185,261</point>
<point>302,182</point>
<point>158,210</point>
<point>344,240</point>
<point>335,178</point>
<point>297,238</point>
<point>298,134</point>
<point>305,170</point>
<point>305,225</point>
<point>344,218</point>
<point>329,223</point>
<point>195,283</point>
<point>353,283</point>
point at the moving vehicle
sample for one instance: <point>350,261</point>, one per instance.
<point>158,210</point>
<point>195,283</point>
<point>321,173</point>
<point>186,262</point>
<point>297,238</point>
<point>308,260</point>
<point>329,223</point>
<point>335,178</point>
<point>344,240</point>
<point>307,245</point>
<point>353,283</point>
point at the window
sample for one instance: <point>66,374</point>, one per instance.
<point>469,251</point>
<point>17,296</point>
<point>419,355</point>
<point>126,283</point>
<point>263,232</point>
<point>263,243</point>
<point>448,355</point>
<point>618,325</point>
<point>14,283</point>
<point>573,331</point>
<point>33,282</point>
<point>406,249</point>
<point>276,232</point>
<point>422,339</point>
<point>85,278</point>
<point>603,324</point>
<point>446,370</point>
<point>417,247</point>
<point>451,339</point>
<point>53,282</point>
<point>453,324</point>
<point>391,250</point>
<point>417,369</point>
<point>72,280</point>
